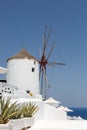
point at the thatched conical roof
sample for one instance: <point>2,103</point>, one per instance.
<point>22,55</point>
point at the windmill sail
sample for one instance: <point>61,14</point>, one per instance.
<point>44,61</point>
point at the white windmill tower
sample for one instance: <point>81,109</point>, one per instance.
<point>23,72</point>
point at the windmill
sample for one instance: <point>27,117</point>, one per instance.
<point>44,62</point>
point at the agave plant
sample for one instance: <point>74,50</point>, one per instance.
<point>7,110</point>
<point>10,110</point>
<point>28,110</point>
<point>18,114</point>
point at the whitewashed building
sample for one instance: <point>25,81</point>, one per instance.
<point>23,72</point>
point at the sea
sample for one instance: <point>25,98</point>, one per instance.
<point>82,112</point>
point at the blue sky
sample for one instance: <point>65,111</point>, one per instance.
<point>22,24</point>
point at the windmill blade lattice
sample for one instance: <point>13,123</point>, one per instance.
<point>55,63</point>
<point>43,61</point>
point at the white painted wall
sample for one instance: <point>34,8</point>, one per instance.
<point>48,112</point>
<point>20,74</point>
<point>52,113</point>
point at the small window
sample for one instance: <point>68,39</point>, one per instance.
<point>28,91</point>
<point>33,69</point>
<point>34,62</point>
